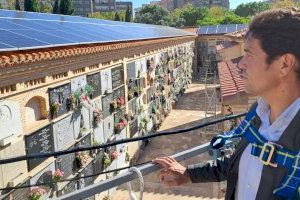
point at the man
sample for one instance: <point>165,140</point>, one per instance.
<point>270,69</point>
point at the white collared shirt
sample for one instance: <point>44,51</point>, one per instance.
<point>250,168</point>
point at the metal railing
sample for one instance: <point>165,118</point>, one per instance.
<point>129,176</point>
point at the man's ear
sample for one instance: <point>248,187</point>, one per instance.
<point>288,63</point>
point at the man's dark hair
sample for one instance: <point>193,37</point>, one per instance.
<point>278,32</point>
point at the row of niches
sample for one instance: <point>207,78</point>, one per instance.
<point>96,118</point>
<point>104,114</point>
<point>108,83</point>
<point>72,166</point>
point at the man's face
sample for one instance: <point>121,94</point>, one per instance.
<point>259,77</point>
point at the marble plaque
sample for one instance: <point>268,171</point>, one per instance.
<point>85,114</point>
<point>98,164</point>
<point>78,83</point>
<point>120,136</point>
<point>43,176</point>
<point>138,70</point>
<point>10,119</point>
<point>86,141</point>
<point>77,123</point>
<point>132,107</point>
<point>120,92</point>
<point>70,187</point>
<point>156,59</point>
<point>98,133</point>
<point>149,95</point>
<point>131,71</point>
<point>63,133</point>
<point>143,66</point>
<point>108,124</point>
<point>117,76</point>
<point>87,171</point>
<point>65,163</point>
<point>118,115</point>
<point>95,81</point>
<point>149,126</point>
<point>40,141</point>
<point>133,127</point>
<point>60,95</point>
<point>106,81</point>
<point>106,100</point>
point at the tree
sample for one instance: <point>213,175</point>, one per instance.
<point>46,7</point>
<point>251,9</point>
<point>151,14</point>
<point>17,5</point>
<point>31,5</point>
<point>128,15</point>
<point>0,6</point>
<point>191,14</point>
<point>117,17</point>
<point>56,7</point>
<point>103,15</point>
<point>66,7</point>
<point>231,18</point>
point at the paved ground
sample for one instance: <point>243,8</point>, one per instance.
<point>188,112</point>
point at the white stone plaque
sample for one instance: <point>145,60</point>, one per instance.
<point>108,127</point>
<point>106,81</point>
<point>63,133</point>
<point>78,83</point>
<point>10,119</point>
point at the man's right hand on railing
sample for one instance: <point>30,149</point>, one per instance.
<point>173,174</point>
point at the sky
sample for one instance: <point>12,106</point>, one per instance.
<point>233,3</point>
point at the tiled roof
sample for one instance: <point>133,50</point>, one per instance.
<point>237,34</point>
<point>226,44</point>
<point>20,57</point>
<point>230,80</point>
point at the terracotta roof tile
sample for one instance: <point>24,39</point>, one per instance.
<point>19,57</point>
<point>230,80</point>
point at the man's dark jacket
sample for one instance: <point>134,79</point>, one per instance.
<point>227,169</point>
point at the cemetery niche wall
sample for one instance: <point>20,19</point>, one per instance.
<point>101,104</point>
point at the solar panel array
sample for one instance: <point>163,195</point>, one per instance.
<point>220,29</point>
<point>25,30</point>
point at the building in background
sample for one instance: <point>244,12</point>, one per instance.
<point>171,5</point>
<point>123,5</point>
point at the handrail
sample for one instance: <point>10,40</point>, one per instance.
<point>129,176</point>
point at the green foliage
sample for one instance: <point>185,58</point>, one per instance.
<point>103,15</point>
<point>151,14</point>
<point>56,7</point>
<point>217,15</point>
<point>128,15</point>
<point>0,6</point>
<point>66,7</point>
<point>17,5</point>
<point>251,9</point>
<point>46,7</point>
<point>117,17</point>
<point>31,5</point>
<point>191,14</point>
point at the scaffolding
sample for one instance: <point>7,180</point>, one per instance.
<point>210,96</point>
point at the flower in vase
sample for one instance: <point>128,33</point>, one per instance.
<point>36,193</point>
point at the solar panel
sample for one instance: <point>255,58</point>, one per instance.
<point>26,30</point>
<point>220,29</point>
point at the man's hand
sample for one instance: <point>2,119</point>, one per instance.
<point>174,173</point>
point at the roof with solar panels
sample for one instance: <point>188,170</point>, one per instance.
<point>21,30</point>
<point>220,29</point>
